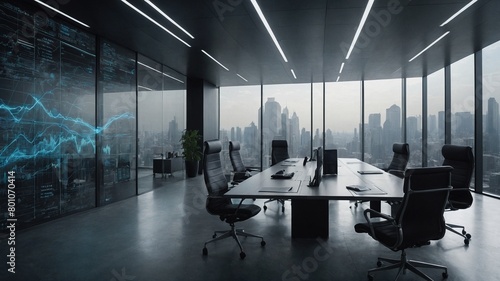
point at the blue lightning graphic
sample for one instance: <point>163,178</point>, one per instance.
<point>74,132</point>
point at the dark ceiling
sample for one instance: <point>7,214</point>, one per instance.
<point>314,35</point>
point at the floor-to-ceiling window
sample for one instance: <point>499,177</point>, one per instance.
<point>435,118</point>
<point>240,121</point>
<point>317,108</point>
<point>287,116</point>
<point>382,120</point>
<point>462,101</point>
<point>491,128</point>
<point>343,118</point>
<point>414,120</point>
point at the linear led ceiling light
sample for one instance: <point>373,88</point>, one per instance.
<point>269,30</point>
<point>155,22</point>
<point>208,55</point>
<point>293,73</point>
<point>360,27</point>
<point>242,77</point>
<point>341,67</point>
<point>338,78</point>
<point>459,12</point>
<point>59,12</point>
<point>168,18</point>
<point>441,37</point>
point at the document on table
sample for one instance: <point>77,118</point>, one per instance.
<point>282,186</point>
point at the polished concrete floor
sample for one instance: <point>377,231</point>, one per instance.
<point>159,235</point>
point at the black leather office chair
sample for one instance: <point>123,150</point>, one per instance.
<point>241,172</point>
<point>461,159</point>
<point>413,224</point>
<point>399,159</point>
<point>217,205</point>
<point>279,152</point>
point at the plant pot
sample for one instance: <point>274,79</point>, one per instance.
<point>191,168</point>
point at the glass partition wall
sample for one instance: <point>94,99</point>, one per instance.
<point>161,106</point>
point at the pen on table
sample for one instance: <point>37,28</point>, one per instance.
<point>290,189</point>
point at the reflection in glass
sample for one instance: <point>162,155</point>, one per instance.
<point>161,109</point>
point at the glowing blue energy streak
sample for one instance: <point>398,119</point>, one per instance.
<point>52,136</point>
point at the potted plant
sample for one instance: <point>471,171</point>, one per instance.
<point>191,151</point>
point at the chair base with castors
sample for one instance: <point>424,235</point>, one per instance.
<point>464,234</point>
<point>234,233</point>
<point>403,264</point>
<point>280,201</point>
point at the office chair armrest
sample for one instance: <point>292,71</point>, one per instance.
<point>240,176</point>
<point>375,214</point>
<point>398,173</point>
<point>252,169</point>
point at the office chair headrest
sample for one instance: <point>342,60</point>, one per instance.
<point>457,152</point>
<point>212,146</point>
<point>234,145</point>
<point>401,148</point>
<point>282,143</point>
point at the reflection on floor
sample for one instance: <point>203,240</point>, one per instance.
<point>159,235</point>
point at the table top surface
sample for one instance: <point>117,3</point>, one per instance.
<point>381,185</point>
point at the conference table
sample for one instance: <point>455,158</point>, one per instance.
<point>310,205</point>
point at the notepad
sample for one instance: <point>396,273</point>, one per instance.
<point>282,187</point>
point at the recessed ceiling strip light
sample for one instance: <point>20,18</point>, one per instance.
<point>426,48</point>
<point>208,55</point>
<point>59,12</point>
<point>269,30</point>
<point>341,67</point>
<point>155,22</point>
<point>242,77</point>
<point>360,27</point>
<point>293,73</point>
<point>459,12</point>
<point>168,18</point>
<point>338,78</point>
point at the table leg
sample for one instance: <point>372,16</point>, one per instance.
<point>310,218</point>
<point>375,205</point>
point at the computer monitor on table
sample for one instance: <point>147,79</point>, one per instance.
<point>330,162</point>
<point>318,155</point>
